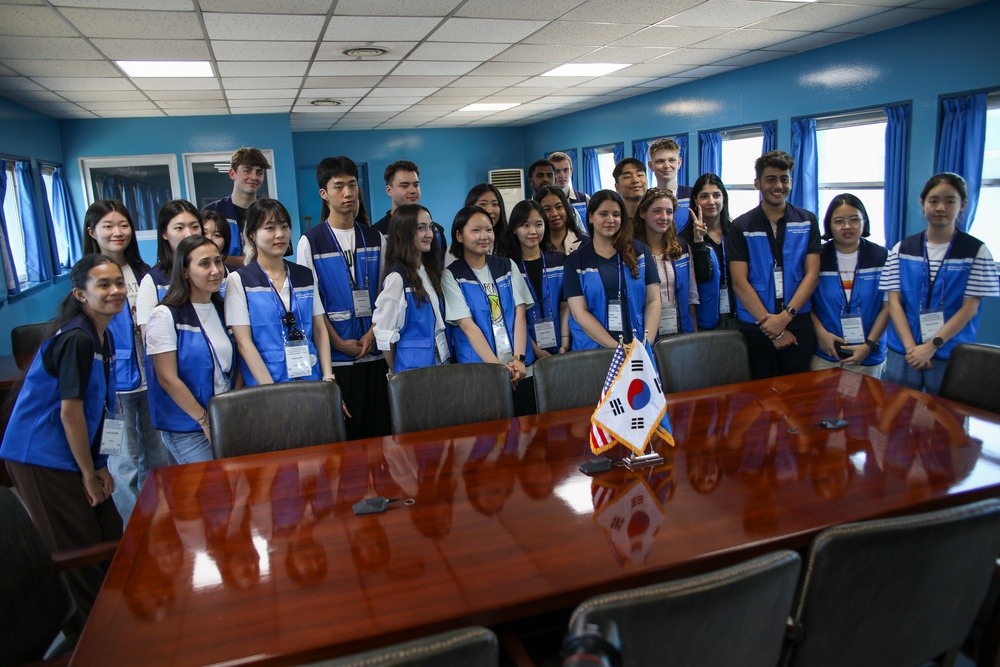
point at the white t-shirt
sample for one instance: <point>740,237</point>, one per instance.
<point>161,337</point>
<point>237,311</point>
<point>146,298</point>
<point>390,309</point>
<point>846,265</point>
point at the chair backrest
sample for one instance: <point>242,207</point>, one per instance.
<point>703,359</point>
<point>571,380</point>
<point>733,616</point>
<point>468,647</point>
<point>25,341</point>
<point>36,599</point>
<point>272,417</point>
<point>449,395</point>
<point>970,376</point>
<point>898,591</point>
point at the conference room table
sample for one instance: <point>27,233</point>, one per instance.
<point>261,560</point>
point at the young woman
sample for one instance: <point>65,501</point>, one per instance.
<point>488,198</point>
<point>849,313</point>
<point>653,224</point>
<point>409,311</point>
<point>485,300</point>
<point>192,357</point>
<point>611,282</point>
<point>274,307</point>
<point>56,438</point>
<point>564,233</point>
<point>177,220</point>
<point>217,229</point>
<point>528,245</point>
<point>108,230</point>
<point>934,296</point>
<point>710,211</point>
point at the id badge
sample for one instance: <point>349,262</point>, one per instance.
<point>930,323</point>
<point>854,331</point>
<point>441,343</point>
<point>297,361</point>
<point>112,436</point>
<point>615,316</point>
<point>502,340</point>
<point>545,333</point>
<point>723,299</point>
<point>779,283</point>
<point>668,319</point>
<point>362,303</point>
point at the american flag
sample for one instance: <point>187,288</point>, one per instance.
<point>599,438</point>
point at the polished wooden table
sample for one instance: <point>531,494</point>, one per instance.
<point>260,560</point>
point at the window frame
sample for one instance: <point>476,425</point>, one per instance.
<point>735,134</point>
<point>189,160</point>
<point>992,184</point>
<point>168,160</point>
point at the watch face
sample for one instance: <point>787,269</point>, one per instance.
<point>938,341</point>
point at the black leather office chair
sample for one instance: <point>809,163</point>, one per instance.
<point>25,341</point>
<point>571,380</point>
<point>971,375</point>
<point>700,360</point>
<point>898,591</point>
<point>469,647</point>
<point>734,616</point>
<point>272,417</point>
<point>449,395</point>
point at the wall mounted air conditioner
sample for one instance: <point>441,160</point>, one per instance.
<point>510,183</point>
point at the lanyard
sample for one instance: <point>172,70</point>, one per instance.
<point>225,376</point>
<point>343,258</point>
<point>486,294</point>
<point>620,271</point>
<point>292,301</point>
<point>845,302</point>
<point>545,286</point>
<point>927,272</point>
<point>666,279</point>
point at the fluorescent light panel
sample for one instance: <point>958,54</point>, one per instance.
<point>586,69</point>
<point>483,106</point>
<point>166,68</point>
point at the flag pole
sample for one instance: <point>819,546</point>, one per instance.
<point>638,461</point>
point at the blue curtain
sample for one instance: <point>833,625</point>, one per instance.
<point>133,194</point>
<point>64,219</point>
<point>805,174</point>
<point>711,152</point>
<point>897,148</point>
<point>10,275</point>
<point>37,266</point>
<point>640,151</point>
<point>682,173</point>
<point>591,171</point>
<point>770,142</point>
<point>961,147</point>
<point>618,150</point>
<point>110,189</point>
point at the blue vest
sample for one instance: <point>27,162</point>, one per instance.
<point>547,303</point>
<point>415,347</point>
<point>35,433</point>
<point>123,329</point>
<point>682,287</point>
<point>828,302</point>
<point>952,277</point>
<point>335,283</point>
<point>266,310</point>
<point>195,368</point>
<point>475,297</point>
<point>161,281</point>
<point>754,226</point>
<point>683,212</point>
<point>709,293</point>
<point>584,262</point>
<point>227,210</point>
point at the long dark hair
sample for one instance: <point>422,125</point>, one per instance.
<point>221,225</point>
<point>95,213</point>
<point>845,199</point>
<point>179,292</point>
<point>259,213</point>
<point>671,246</point>
<point>570,223</point>
<point>500,228</point>
<point>622,240</point>
<point>70,306</point>
<point>712,179</point>
<point>458,224</point>
<point>511,246</point>
<point>400,250</point>
<point>169,211</point>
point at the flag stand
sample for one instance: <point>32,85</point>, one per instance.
<point>645,461</point>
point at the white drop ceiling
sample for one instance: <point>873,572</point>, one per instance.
<point>277,56</point>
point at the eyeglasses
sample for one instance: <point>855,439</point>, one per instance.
<point>294,333</point>
<point>853,221</point>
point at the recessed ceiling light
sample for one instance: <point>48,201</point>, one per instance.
<point>497,106</point>
<point>166,68</point>
<point>586,69</point>
<point>326,102</point>
<point>365,51</point>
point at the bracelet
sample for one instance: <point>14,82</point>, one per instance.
<point>330,378</point>
<point>203,420</point>
<point>778,337</point>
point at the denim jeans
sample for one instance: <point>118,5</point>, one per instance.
<point>900,372</point>
<point>187,447</point>
<point>142,450</point>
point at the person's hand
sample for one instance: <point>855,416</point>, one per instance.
<point>785,339</point>
<point>825,340</point>
<point>772,325</point>
<point>919,356</point>
<point>860,352</point>
<point>541,354</point>
<point>94,489</point>
<point>367,343</point>
<point>343,407</point>
<point>698,228</point>
<point>349,346</point>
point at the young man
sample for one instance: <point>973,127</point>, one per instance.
<point>630,182</point>
<point>773,253</point>
<point>541,173</point>
<point>564,181</point>
<point>402,184</point>
<point>665,161</point>
<point>347,259</point>
<point>247,169</point>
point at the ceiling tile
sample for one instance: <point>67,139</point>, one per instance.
<point>197,112</point>
<point>753,58</point>
<point>49,107</point>
<point>80,68</point>
<point>341,81</point>
<point>497,31</point>
<point>354,94</point>
<point>53,48</point>
<point>707,70</point>
<point>252,83</point>
<point>671,36</point>
<point>729,13</point>
<point>374,28</point>
<point>129,114</point>
<point>519,95</point>
<point>495,68</point>
<point>307,108</point>
<point>818,16</point>
<point>335,50</point>
<point>451,51</point>
<point>175,83</point>
<point>430,67</point>
<point>165,5</point>
<point>586,34</point>
<point>697,56</point>
<point>112,105</point>
<point>402,92</point>
<point>618,54</point>
<point>70,83</point>
<point>35,96</point>
<point>153,49</point>
<point>260,93</point>
<point>517,9</point>
<point>267,6</point>
<point>263,102</point>
<point>614,81</point>
<point>350,67</point>
<point>6,71</point>
<point>654,69</point>
<point>266,27</point>
<point>233,69</point>
<point>162,95</point>
<point>378,108</point>
<point>758,39</point>
<point>125,24</point>
<point>889,19</point>
<point>262,50</point>
<point>465,92</point>
<point>396,7</point>
<point>495,81</point>
<point>538,53</point>
<point>647,12</point>
<point>392,81</point>
<point>405,101</point>
<point>260,110</point>
<point>813,41</point>
<point>191,104</point>
<point>33,22</point>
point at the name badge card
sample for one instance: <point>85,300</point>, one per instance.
<point>668,319</point>
<point>545,333</point>
<point>854,331</point>
<point>362,303</point>
<point>502,340</point>
<point>297,361</point>
<point>930,323</point>
<point>615,316</point>
<point>112,436</point>
<point>441,343</point>
<point>723,299</point>
<point>779,283</point>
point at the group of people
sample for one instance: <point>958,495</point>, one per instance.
<point>122,384</point>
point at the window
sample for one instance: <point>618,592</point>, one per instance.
<point>206,176</point>
<point>15,232</point>
<point>143,182</point>
<point>64,225</point>
<point>851,152</point>
<point>606,163</point>
<point>985,227</point>
<point>740,150</point>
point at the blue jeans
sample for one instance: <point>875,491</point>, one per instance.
<point>188,447</point>
<point>900,372</point>
<point>142,450</point>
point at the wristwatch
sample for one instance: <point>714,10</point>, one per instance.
<point>791,311</point>
<point>937,341</point>
<point>521,358</point>
<point>872,345</point>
